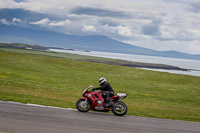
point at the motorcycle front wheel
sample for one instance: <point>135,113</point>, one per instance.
<point>83,105</point>
<point>119,108</point>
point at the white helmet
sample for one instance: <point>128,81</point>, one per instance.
<point>102,80</point>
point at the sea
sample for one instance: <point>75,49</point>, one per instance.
<point>193,65</point>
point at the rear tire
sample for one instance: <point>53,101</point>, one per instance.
<point>82,106</point>
<point>119,108</point>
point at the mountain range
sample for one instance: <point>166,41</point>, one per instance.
<point>14,34</point>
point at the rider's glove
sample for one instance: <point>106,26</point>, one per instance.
<point>93,89</point>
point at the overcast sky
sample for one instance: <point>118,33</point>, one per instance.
<point>155,24</point>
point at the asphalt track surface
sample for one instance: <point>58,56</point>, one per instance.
<point>22,118</point>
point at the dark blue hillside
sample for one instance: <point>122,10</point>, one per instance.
<point>13,34</point>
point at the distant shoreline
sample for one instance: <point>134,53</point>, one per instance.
<point>142,65</point>
<point>125,63</point>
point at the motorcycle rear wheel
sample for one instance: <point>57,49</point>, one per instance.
<point>82,106</point>
<point>119,108</point>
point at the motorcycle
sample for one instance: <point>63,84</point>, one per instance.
<point>93,100</point>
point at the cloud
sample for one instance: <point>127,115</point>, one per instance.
<point>193,47</point>
<point>4,21</point>
<point>90,28</point>
<point>47,22</point>
<point>152,28</point>
<point>20,1</point>
<point>14,21</point>
<point>60,23</point>
<point>195,7</point>
<point>124,31</point>
<point>44,21</point>
<point>99,12</point>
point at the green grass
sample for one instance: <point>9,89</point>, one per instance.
<point>53,81</point>
<point>87,58</point>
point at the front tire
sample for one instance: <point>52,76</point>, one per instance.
<point>82,106</point>
<point>119,108</point>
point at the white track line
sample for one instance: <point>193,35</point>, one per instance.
<point>36,105</point>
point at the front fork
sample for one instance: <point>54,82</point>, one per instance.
<point>86,100</point>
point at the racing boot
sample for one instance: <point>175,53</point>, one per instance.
<point>109,103</point>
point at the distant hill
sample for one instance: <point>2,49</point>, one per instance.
<point>13,34</point>
<point>22,46</point>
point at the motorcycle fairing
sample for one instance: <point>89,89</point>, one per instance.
<point>96,99</point>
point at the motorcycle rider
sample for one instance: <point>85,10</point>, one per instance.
<point>107,91</point>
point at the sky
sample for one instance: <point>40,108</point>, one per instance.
<point>155,24</point>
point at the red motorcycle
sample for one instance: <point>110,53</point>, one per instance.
<point>93,100</point>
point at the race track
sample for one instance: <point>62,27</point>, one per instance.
<point>22,118</point>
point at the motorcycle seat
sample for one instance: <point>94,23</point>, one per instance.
<point>114,97</point>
